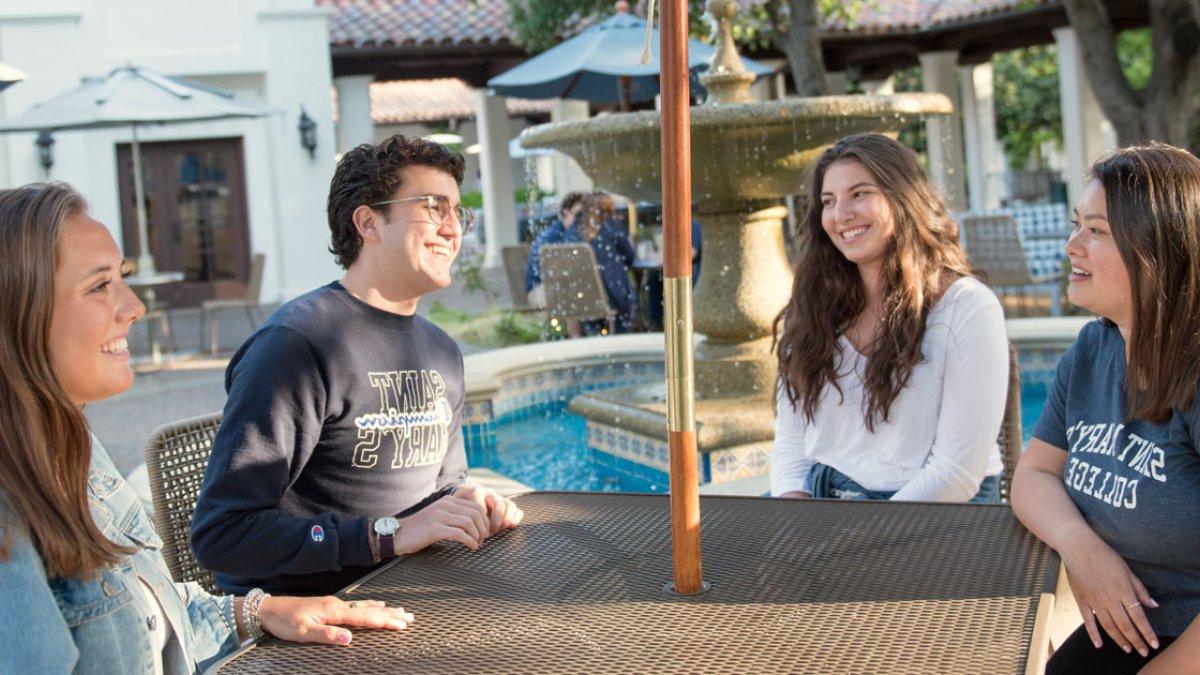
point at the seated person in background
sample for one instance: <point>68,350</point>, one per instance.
<point>654,282</point>
<point>615,254</point>
<point>893,357</point>
<point>85,587</point>
<point>342,445</point>
<point>568,213</point>
<point>1111,478</point>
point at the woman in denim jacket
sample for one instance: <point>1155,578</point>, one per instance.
<point>84,584</point>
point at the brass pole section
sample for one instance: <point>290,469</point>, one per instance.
<point>677,272</point>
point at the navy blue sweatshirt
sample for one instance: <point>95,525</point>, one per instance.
<point>338,412</point>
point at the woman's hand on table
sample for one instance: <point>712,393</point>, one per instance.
<point>1108,594</point>
<point>321,620</point>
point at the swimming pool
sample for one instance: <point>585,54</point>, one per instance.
<point>547,449</point>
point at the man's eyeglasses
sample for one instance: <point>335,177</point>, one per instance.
<point>439,210</point>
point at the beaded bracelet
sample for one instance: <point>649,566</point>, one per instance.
<point>250,619</point>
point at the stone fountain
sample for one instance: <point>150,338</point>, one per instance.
<point>746,157</point>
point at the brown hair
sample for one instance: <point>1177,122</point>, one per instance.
<point>828,294</point>
<point>45,447</point>
<point>569,201</point>
<point>1152,194</point>
<point>598,207</point>
<point>371,173</point>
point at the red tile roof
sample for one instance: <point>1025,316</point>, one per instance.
<point>403,101</point>
<point>381,23</point>
<point>378,23</point>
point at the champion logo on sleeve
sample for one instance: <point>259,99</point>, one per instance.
<point>317,533</point>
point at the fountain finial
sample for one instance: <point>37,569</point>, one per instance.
<point>727,79</point>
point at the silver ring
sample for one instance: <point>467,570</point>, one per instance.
<point>1133,604</point>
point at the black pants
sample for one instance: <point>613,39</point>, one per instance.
<point>1079,655</point>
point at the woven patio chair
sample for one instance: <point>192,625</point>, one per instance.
<point>1010,428</point>
<point>176,457</point>
<point>574,290</point>
<point>994,246</point>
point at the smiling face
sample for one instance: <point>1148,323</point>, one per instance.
<point>417,251</point>
<point>855,213</point>
<point>1099,279</point>
<point>93,310</point>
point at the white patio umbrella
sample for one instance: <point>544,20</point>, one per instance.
<point>133,96</point>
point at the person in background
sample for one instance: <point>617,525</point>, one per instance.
<point>1111,478</point>
<point>609,239</point>
<point>893,357</point>
<point>568,214</point>
<point>83,584</point>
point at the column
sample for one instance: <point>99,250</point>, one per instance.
<point>984,165</point>
<point>568,177</point>
<point>499,208</point>
<point>354,111</point>
<point>944,133</point>
<point>1087,134</point>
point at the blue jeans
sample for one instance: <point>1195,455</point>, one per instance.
<point>827,482</point>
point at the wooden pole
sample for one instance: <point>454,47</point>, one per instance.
<point>677,296</point>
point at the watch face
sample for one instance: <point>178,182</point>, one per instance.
<point>387,525</point>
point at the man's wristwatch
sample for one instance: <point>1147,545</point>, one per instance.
<point>386,528</point>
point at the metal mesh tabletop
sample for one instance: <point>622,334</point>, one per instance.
<point>797,586</point>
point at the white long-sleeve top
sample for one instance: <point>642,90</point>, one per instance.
<point>940,440</point>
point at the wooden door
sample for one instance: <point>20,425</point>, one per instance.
<point>196,214</point>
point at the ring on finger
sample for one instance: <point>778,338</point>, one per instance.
<point>1133,604</point>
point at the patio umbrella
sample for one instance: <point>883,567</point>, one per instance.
<point>132,96</point>
<point>677,296</point>
<point>602,65</point>
<point>9,76</point>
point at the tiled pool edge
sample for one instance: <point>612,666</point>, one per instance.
<point>520,382</point>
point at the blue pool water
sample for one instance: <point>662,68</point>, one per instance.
<point>548,451</point>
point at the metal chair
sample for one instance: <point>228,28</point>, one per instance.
<point>516,258</point>
<point>157,320</point>
<point>1010,429</point>
<point>574,290</point>
<point>210,308</point>
<point>994,245</point>
<point>176,457</point>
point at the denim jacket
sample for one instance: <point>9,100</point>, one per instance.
<point>94,625</point>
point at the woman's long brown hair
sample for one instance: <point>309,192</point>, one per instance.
<point>1152,194</point>
<point>828,293</point>
<point>45,447</point>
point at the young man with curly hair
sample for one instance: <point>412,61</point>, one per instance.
<point>341,445</point>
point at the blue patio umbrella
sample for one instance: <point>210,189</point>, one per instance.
<point>589,65</point>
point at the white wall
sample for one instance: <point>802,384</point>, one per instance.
<point>271,51</point>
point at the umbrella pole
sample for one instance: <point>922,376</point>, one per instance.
<point>145,260</point>
<point>677,272</point>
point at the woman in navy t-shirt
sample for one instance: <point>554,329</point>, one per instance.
<point>1111,479</point>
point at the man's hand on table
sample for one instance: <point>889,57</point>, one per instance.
<point>502,513</point>
<point>468,516</point>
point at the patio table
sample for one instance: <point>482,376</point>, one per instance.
<point>822,586</point>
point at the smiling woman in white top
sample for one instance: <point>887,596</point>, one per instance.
<point>893,358</point>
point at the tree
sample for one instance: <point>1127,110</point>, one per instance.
<point>1028,112</point>
<point>1163,110</point>
<point>791,26</point>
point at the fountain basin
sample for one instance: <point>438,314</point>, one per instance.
<point>740,152</point>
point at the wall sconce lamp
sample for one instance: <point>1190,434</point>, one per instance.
<point>45,147</point>
<point>308,133</point>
